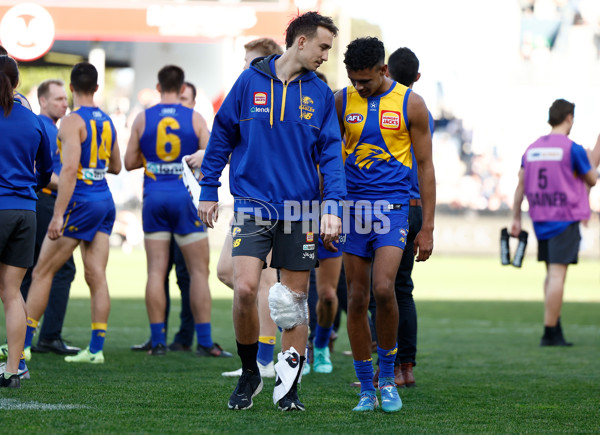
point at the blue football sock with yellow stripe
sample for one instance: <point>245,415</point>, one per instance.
<point>266,346</point>
<point>204,334</point>
<point>364,373</point>
<point>158,334</point>
<point>32,325</point>
<point>386,361</point>
<point>98,335</point>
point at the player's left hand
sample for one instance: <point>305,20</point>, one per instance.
<point>331,227</point>
<point>55,228</point>
<point>423,245</point>
<point>208,212</point>
<point>195,160</point>
<point>330,246</point>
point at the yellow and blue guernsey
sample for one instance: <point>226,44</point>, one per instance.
<point>276,133</point>
<point>168,136</point>
<point>377,149</point>
<point>95,154</point>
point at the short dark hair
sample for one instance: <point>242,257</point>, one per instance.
<point>403,66</point>
<point>559,111</point>
<point>307,25</point>
<point>266,46</point>
<point>3,51</point>
<point>171,78</point>
<point>9,79</point>
<point>193,88</point>
<point>44,87</point>
<point>84,78</point>
<point>364,53</point>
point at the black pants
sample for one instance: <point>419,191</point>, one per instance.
<point>54,316</point>
<point>407,312</point>
<point>185,335</point>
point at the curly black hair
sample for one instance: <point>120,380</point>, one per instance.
<point>364,53</point>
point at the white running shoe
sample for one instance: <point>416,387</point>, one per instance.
<point>267,371</point>
<point>23,374</point>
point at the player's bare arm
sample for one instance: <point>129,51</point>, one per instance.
<point>72,134</point>
<point>339,107</point>
<point>418,116</point>
<point>201,129</point>
<point>515,228</point>
<point>133,155</point>
<point>114,162</point>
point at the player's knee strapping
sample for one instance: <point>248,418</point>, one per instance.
<point>288,308</point>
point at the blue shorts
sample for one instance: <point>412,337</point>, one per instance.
<point>171,211</point>
<point>83,219</point>
<point>364,236</point>
<point>324,254</point>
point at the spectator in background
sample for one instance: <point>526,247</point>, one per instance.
<point>52,97</point>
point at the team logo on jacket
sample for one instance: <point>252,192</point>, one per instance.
<point>306,109</point>
<point>260,98</point>
<point>354,118</point>
<point>390,120</point>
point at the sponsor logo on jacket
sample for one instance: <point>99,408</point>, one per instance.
<point>260,98</point>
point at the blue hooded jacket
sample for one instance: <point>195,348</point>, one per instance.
<point>276,134</point>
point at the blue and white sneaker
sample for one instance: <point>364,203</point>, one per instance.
<point>322,360</point>
<point>390,400</point>
<point>23,374</point>
<point>368,401</point>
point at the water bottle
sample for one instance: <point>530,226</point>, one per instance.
<point>518,260</point>
<point>504,247</point>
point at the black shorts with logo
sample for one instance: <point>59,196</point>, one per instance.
<point>561,249</point>
<point>294,243</point>
<point>17,237</point>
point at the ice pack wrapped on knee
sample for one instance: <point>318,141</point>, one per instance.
<point>288,308</point>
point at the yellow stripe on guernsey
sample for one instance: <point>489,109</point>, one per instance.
<point>391,124</point>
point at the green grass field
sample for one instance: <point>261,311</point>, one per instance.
<point>480,368</point>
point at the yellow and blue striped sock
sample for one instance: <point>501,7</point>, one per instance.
<point>266,346</point>
<point>98,335</point>
<point>32,325</point>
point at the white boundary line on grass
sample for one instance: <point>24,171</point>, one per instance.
<point>14,404</point>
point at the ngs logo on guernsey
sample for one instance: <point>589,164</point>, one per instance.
<point>260,98</point>
<point>354,118</point>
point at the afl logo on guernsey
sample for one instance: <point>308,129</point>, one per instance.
<point>390,120</point>
<point>354,118</point>
<point>260,98</point>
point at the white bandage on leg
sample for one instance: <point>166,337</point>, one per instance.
<point>288,368</point>
<point>288,308</point>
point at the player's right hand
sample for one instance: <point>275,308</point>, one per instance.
<point>55,228</point>
<point>208,212</point>
<point>515,228</point>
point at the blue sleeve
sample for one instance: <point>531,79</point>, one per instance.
<point>223,137</point>
<point>579,160</point>
<point>43,159</point>
<point>331,165</point>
